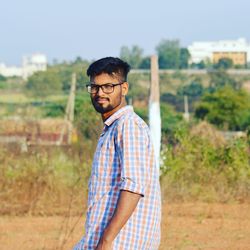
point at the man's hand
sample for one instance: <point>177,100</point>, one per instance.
<point>104,245</point>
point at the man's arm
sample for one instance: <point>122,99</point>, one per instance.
<point>125,207</point>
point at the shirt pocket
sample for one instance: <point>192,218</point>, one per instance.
<point>105,161</point>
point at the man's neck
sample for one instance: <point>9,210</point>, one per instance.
<point>105,116</point>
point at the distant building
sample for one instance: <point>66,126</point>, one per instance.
<point>237,50</point>
<point>30,65</point>
<point>10,71</point>
<point>33,63</point>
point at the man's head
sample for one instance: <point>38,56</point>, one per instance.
<point>108,84</point>
<point>112,66</point>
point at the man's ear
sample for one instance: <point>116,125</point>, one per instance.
<point>125,87</point>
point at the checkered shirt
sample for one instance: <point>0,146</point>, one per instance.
<point>124,160</point>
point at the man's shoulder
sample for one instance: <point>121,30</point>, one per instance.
<point>133,119</point>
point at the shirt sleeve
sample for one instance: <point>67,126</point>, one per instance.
<point>134,156</point>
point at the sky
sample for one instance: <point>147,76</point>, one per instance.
<point>65,29</point>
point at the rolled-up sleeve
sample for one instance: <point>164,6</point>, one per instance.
<point>134,156</point>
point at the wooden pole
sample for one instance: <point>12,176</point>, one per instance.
<point>186,112</point>
<point>69,113</point>
<point>154,108</point>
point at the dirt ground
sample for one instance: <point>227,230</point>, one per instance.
<point>184,226</point>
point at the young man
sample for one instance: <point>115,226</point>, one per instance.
<point>124,203</point>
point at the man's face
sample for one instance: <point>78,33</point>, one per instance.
<point>103,102</point>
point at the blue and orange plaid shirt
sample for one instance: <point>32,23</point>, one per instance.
<point>124,160</point>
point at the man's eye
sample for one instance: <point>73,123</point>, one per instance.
<point>107,86</point>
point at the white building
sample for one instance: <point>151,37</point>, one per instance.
<point>10,71</point>
<point>30,65</point>
<point>33,63</point>
<point>237,50</point>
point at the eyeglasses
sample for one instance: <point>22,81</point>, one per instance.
<point>107,88</point>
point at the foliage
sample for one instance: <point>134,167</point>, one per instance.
<point>54,109</point>
<point>174,100</point>
<point>42,84</point>
<point>3,85</point>
<point>169,54</point>
<point>199,167</point>
<point>132,56</point>
<point>2,78</point>
<point>180,76</point>
<point>10,83</point>
<point>193,89</point>
<point>88,121</point>
<point>57,78</point>
<point>138,87</point>
<point>226,108</point>
<point>184,58</point>
<point>224,63</point>
<point>145,63</point>
<point>240,66</point>
<point>169,120</point>
<point>200,65</point>
<point>65,71</point>
<point>220,79</point>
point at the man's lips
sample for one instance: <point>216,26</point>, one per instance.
<point>101,100</point>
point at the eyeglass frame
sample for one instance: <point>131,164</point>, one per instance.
<point>101,86</point>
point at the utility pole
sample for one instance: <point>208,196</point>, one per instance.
<point>154,108</point>
<point>186,112</point>
<point>69,113</point>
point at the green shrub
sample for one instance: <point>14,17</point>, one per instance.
<point>202,165</point>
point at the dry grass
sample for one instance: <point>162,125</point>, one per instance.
<point>184,226</point>
<point>43,200</point>
<point>43,182</point>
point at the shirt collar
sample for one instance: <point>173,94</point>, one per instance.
<point>118,114</point>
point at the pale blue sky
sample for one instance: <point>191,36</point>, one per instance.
<point>92,29</point>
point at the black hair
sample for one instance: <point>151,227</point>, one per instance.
<point>109,65</point>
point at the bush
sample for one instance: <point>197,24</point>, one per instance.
<point>226,108</point>
<point>43,83</point>
<point>2,78</point>
<point>204,166</point>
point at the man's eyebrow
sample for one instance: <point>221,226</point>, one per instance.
<point>92,83</point>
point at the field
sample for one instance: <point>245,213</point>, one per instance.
<point>184,226</point>
<point>205,178</point>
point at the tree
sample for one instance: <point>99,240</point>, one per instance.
<point>184,58</point>
<point>200,65</point>
<point>2,78</point>
<point>224,63</point>
<point>65,71</point>
<point>87,120</point>
<point>220,79</point>
<point>169,120</point>
<point>133,56</point>
<point>194,89</point>
<point>145,63</point>
<point>169,54</point>
<point>43,83</point>
<point>227,108</point>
